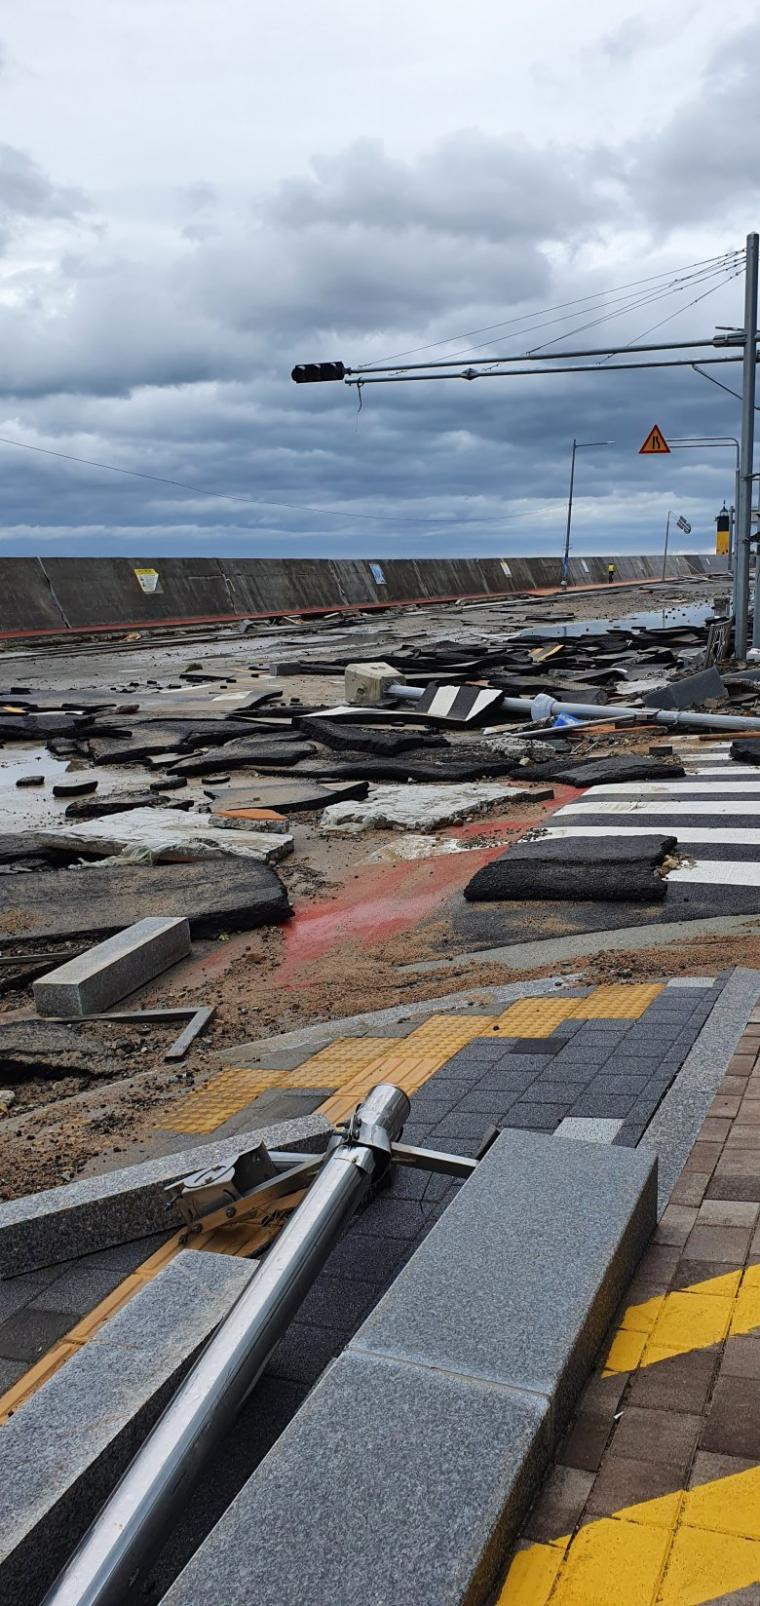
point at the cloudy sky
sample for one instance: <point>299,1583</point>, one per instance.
<point>194,197</point>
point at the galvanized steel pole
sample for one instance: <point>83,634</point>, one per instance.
<point>545,707</point>
<point>746,454</point>
<point>139,1514</point>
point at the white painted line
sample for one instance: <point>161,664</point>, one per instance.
<point>591,805</point>
<point>735,836</point>
<point>719,872</point>
<point>669,788</point>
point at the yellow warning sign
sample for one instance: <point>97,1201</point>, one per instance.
<point>655,441</point>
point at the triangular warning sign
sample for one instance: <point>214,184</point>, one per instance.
<point>655,441</point>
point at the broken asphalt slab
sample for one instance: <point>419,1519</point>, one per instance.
<point>382,743</point>
<point>603,771</point>
<point>253,754</point>
<point>622,870</point>
<point>745,751</point>
<point>43,1048</point>
<point>293,796</point>
<point>216,894</point>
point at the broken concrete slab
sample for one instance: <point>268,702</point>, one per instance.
<point>227,895</point>
<point>104,974</point>
<point>422,807</point>
<point>69,1443</point>
<point>169,835</point>
<point>116,1207</point>
<point>622,870</point>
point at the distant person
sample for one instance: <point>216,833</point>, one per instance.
<point>610,573</point>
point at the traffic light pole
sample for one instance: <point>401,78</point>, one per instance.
<point>746,454</point>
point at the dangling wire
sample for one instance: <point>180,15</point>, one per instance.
<point>359,389</point>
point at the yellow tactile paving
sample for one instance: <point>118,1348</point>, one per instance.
<point>220,1099</point>
<point>623,1002</point>
<point>531,1017</point>
<point>350,1065</point>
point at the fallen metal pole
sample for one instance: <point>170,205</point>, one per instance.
<point>544,707</point>
<point>139,1515</point>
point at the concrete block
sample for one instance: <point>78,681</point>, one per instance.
<point>67,1446</point>
<point>104,974</point>
<point>393,1483</point>
<point>92,1213</point>
<point>365,685</point>
<point>521,1277</point>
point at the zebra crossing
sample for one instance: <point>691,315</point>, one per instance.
<point>713,811</point>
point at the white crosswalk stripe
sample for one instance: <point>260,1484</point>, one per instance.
<point>715,806</point>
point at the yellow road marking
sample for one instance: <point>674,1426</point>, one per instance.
<point>684,1549</point>
<point>688,1319</point>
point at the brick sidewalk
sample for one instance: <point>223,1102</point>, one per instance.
<point>655,1495</point>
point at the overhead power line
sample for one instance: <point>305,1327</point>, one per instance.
<point>577,301</point>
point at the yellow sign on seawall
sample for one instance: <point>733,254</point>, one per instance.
<point>147,579</point>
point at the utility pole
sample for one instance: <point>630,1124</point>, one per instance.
<point>566,554</point>
<point>746,453</point>
<point>578,446</point>
<point>665,549</point>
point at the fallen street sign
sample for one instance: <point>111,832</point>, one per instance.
<point>655,441</point>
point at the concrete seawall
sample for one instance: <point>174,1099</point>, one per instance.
<point>70,594</point>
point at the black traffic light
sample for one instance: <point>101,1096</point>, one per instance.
<point>315,373</point>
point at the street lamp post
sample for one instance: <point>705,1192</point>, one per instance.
<point>578,446</point>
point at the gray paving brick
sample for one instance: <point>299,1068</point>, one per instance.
<point>337,1303</point>
<point>507,1082</point>
<point>304,1351</point>
<point>488,1103</point>
<point>603,1104</point>
<point>78,1290</point>
<point>556,1092</point>
<point>368,1258</point>
<point>584,1054</point>
<point>537,1117</point>
<point>392,1218</point>
<point>639,1052</point>
<point>15,1292</point>
<point>622,1082</point>
<point>30,1332</point>
<point>460,1125</point>
<point>10,1372</point>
